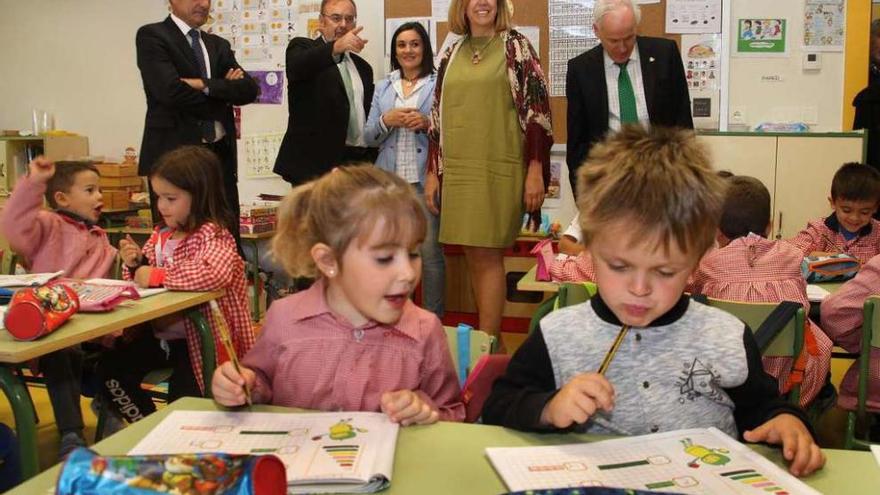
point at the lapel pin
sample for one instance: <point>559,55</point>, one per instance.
<point>650,59</point>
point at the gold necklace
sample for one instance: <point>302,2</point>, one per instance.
<point>477,55</point>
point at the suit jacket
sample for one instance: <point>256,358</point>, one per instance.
<point>174,109</point>
<point>666,95</point>
<point>376,134</point>
<point>317,108</point>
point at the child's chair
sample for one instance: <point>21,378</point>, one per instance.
<point>778,329</point>
<point>473,359</point>
<point>569,294</point>
<point>870,344</point>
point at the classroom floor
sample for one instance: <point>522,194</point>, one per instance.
<point>830,427</point>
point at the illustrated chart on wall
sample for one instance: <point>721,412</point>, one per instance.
<point>696,461</point>
<point>321,451</point>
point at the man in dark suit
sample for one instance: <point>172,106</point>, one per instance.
<point>331,89</point>
<point>191,80</point>
<point>650,89</point>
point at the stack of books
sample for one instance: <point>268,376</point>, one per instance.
<point>256,219</point>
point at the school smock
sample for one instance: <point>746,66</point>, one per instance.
<point>823,235</point>
<point>308,357</point>
<point>755,269</point>
<point>693,367</point>
<point>206,259</point>
<point>50,241</point>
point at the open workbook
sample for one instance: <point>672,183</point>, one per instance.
<point>350,452</point>
<point>27,279</point>
<point>695,461</point>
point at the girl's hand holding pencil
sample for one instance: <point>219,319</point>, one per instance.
<point>239,380</point>
<point>231,386</point>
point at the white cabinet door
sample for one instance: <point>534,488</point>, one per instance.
<point>745,155</point>
<point>804,169</point>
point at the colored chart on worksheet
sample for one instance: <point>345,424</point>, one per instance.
<point>316,448</point>
<point>695,461</point>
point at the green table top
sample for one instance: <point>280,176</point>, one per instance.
<point>86,326</point>
<point>449,458</point>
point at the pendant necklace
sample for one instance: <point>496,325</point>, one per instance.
<point>477,56</point>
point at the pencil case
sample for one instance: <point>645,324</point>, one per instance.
<point>832,268</point>
<point>37,311</point>
<point>85,471</point>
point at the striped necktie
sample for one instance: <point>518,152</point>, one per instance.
<point>628,113</point>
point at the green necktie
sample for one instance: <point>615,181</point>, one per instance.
<point>627,96</point>
<point>352,132</point>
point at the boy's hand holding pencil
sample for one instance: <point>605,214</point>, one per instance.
<point>578,400</point>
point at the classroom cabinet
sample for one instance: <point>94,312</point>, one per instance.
<point>796,168</point>
<point>16,152</point>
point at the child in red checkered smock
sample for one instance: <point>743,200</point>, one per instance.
<point>842,319</point>
<point>573,263</point>
<point>354,341</point>
<point>851,228</point>
<point>749,267</point>
<point>192,250</point>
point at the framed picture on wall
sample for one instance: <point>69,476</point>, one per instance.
<point>760,38</point>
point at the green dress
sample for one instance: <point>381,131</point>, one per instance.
<point>483,173</point>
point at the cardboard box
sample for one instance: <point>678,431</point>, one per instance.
<point>115,199</point>
<point>120,182</point>
<point>117,169</point>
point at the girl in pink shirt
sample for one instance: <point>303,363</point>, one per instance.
<point>353,341</point>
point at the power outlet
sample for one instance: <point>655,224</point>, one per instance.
<point>737,116</point>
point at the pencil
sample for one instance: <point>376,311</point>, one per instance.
<point>227,344</point>
<point>613,350</point>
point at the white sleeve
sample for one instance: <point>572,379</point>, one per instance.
<point>574,229</point>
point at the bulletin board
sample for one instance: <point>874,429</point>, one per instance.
<point>534,13</point>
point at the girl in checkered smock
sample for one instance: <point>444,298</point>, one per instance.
<point>354,341</point>
<point>191,250</point>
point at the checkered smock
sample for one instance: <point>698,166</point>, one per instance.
<point>842,319</point>
<point>755,269</point>
<point>207,259</point>
<point>824,235</point>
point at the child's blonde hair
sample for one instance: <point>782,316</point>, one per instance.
<point>340,206</point>
<point>660,181</point>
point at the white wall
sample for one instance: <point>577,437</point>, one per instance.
<point>76,59</point>
<point>800,93</point>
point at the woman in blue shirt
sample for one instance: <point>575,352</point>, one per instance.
<point>398,124</point>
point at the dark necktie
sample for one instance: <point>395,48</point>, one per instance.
<point>206,126</point>
<point>628,113</point>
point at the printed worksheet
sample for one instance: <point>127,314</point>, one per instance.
<point>694,461</point>
<point>350,452</point>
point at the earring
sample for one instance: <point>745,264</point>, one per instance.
<point>331,272</point>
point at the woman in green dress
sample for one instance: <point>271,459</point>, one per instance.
<point>490,141</point>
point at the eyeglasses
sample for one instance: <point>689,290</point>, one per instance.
<point>337,18</point>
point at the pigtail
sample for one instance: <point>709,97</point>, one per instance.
<point>295,236</point>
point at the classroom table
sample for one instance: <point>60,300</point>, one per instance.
<point>450,457</point>
<point>529,284</point>
<point>254,240</point>
<point>80,328</point>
